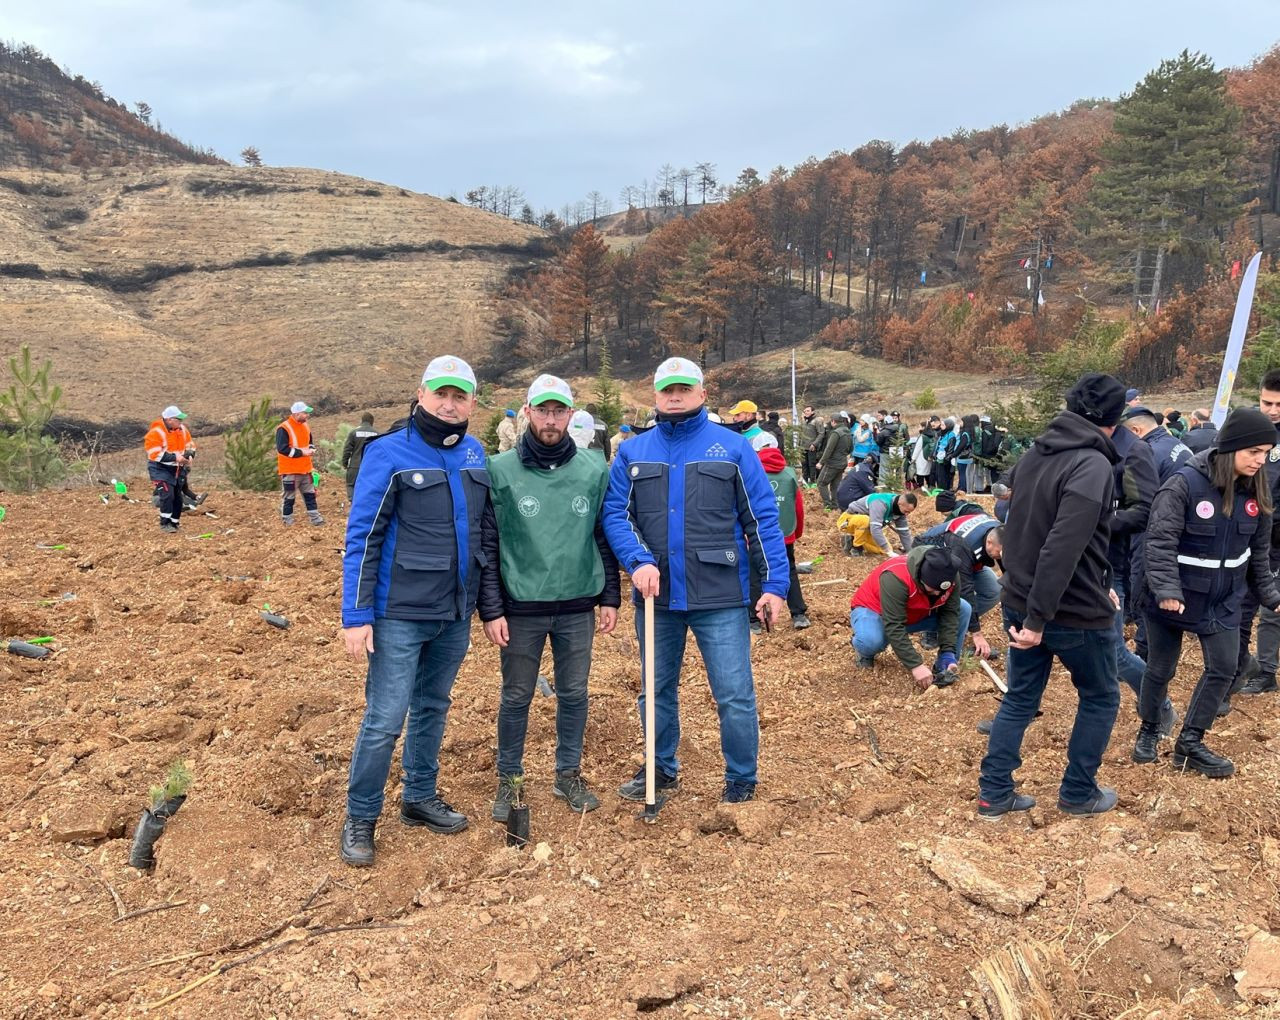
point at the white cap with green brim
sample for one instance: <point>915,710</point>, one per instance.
<point>549,387</point>
<point>448,370</point>
<point>172,412</point>
<point>677,370</point>
<point>300,407</point>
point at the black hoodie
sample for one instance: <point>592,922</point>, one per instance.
<point>1055,543</point>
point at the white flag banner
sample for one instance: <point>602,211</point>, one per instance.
<point>1235,342</point>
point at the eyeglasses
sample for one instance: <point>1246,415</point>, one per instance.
<point>542,411</point>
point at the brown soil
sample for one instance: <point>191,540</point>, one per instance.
<point>818,901</point>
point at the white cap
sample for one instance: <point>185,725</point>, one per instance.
<point>172,412</point>
<point>300,407</point>
<point>764,439</point>
<point>448,370</point>
<point>549,387</point>
<point>677,370</point>
<point>582,428</point>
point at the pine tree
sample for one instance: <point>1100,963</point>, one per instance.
<point>608,397</point>
<point>1168,184</point>
<point>251,450</point>
<point>29,459</point>
<point>1263,351</point>
<point>579,289</point>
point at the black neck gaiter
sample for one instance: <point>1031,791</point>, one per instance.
<point>436,432</point>
<point>535,454</point>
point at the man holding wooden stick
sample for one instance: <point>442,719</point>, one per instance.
<point>687,503</point>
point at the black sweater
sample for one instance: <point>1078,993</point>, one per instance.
<point>1055,543</point>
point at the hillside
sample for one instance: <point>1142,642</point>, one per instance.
<point>211,286</point>
<point>50,119</point>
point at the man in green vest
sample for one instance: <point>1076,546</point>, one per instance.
<point>547,568</point>
<point>866,518</point>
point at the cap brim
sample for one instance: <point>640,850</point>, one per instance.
<point>673,380</point>
<point>180,416</point>
<point>542,398</point>
<point>466,385</point>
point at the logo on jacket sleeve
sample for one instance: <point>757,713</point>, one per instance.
<point>418,478</point>
<point>580,505</point>
<point>731,555</point>
<point>473,456</point>
<point>716,450</point>
<point>1251,507</point>
<point>528,506</point>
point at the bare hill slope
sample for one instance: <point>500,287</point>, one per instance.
<point>210,286</point>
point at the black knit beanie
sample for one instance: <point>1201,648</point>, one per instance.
<point>1097,398</point>
<point>1245,427</point>
<point>937,570</point>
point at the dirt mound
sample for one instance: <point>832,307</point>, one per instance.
<point>824,899</point>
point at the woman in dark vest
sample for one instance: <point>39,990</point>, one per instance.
<point>1209,537</point>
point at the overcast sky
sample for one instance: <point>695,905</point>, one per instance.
<point>560,98</point>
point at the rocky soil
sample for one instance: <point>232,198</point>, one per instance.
<point>860,884</point>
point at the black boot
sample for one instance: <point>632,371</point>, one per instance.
<point>355,846</point>
<point>1144,748</point>
<point>1190,753</point>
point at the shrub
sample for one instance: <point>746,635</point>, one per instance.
<point>29,459</point>
<point>251,450</point>
<point>926,401</point>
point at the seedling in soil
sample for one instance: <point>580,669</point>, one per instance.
<point>177,781</point>
<point>518,816</point>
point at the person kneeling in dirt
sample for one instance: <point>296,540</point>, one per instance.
<point>976,544</point>
<point>411,574</point>
<point>913,594</point>
<point>1208,542</point>
<point>547,566</point>
<point>688,502</point>
<point>864,520</point>
<point>169,452</point>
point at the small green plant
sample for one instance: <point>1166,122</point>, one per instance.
<point>926,401</point>
<point>490,437</point>
<point>329,451</point>
<point>177,781</point>
<point>517,791</point>
<point>251,450</point>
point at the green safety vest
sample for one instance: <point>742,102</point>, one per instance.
<point>886,498</point>
<point>546,526</point>
<point>784,487</point>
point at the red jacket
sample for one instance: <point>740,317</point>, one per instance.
<point>773,461</point>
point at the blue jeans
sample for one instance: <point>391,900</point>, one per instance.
<point>571,638</point>
<point>1129,666</point>
<point>962,468</point>
<point>411,672</point>
<point>1090,659</point>
<point>724,639</point>
<point>868,630</point>
<point>986,591</point>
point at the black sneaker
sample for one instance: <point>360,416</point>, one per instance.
<point>738,793</point>
<point>1263,683</point>
<point>866,661</point>
<point>503,800</point>
<point>928,639</point>
<point>991,809</point>
<point>571,788</point>
<point>355,845</point>
<point>801,622</point>
<point>633,788</point>
<point>169,528</point>
<point>435,814</point>
<point>1145,745</point>
<point>984,726</point>
<point>1104,801</point>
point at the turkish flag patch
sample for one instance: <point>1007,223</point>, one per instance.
<point>1251,507</point>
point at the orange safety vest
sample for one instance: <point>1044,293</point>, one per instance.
<point>299,438</point>
<point>161,440</point>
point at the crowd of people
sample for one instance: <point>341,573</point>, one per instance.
<point>1114,515</point>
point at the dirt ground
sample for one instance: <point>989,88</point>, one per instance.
<point>860,884</point>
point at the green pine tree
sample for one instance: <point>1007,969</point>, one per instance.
<point>29,459</point>
<point>1262,350</point>
<point>1169,182</point>
<point>251,450</point>
<point>608,396</point>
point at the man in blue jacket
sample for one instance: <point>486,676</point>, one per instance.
<point>687,503</point>
<point>411,572</point>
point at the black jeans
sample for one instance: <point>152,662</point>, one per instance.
<point>809,465</point>
<point>795,597</point>
<point>1164,646</point>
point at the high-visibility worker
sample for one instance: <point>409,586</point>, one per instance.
<point>169,451</point>
<point>294,465</point>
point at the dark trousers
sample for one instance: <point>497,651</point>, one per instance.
<point>809,466</point>
<point>795,597</point>
<point>1164,647</point>
<point>1090,659</point>
<point>169,483</point>
<point>828,483</point>
<point>571,636</point>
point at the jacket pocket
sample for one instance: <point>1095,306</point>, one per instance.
<point>716,484</point>
<point>649,498</point>
<point>421,580</point>
<point>425,496</point>
<point>715,578</point>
